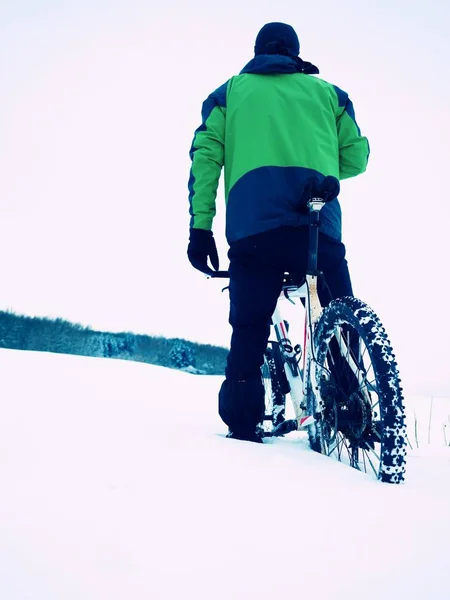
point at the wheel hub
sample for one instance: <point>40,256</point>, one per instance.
<point>350,415</point>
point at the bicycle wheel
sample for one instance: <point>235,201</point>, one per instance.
<point>275,388</point>
<point>360,414</point>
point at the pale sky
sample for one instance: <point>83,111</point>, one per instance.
<point>99,103</point>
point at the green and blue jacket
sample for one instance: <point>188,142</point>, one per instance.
<point>272,127</point>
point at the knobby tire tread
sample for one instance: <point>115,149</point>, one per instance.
<point>357,314</point>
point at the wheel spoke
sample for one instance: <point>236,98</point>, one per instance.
<point>344,443</point>
<point>364,461</point>
<point>375,430</point>
<point>376,471</point>
<point>368,386</point>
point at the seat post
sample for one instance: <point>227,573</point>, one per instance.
<point>315,205</point>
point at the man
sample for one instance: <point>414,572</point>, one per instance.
<point>273,127</point>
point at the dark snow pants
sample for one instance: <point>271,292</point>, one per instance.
<point>257,267</point>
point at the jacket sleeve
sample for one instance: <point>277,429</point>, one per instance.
<point>354,148</point>
<point>207,156</point>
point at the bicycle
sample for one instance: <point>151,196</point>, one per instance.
<point>343,380</point>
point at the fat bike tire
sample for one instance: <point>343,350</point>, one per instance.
<point>360,417</point>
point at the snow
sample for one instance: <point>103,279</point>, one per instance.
<point>117,482</point>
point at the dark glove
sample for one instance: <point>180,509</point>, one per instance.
<point>328,189</point>
<point>201,247</point>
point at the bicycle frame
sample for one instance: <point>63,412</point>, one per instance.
<point>298,383</point>
<point>301,384</point>
<point>313,309</point>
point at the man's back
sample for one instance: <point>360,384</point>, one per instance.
<point>283,120</point>
<point>273,127</point>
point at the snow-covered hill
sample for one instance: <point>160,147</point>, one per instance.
<point>117,483</point>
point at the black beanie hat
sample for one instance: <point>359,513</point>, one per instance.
<point>277,38</point>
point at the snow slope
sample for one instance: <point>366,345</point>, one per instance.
<point>117,483</point>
